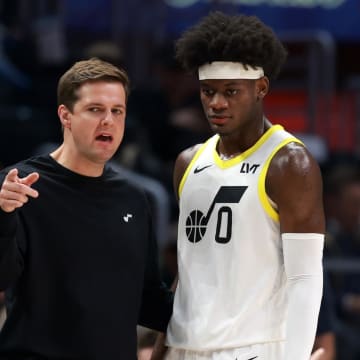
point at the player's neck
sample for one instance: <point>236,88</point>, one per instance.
<point>229,146</point>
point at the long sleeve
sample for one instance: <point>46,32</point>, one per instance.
<point>157,299</point>
<point>303,266</point>
<point>10,266</point>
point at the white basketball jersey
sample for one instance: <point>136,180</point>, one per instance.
<point>231,289</point>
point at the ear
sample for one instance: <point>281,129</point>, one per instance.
<point>65,116</point>
<point>262,87</point>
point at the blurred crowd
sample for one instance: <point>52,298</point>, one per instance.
<point>164,117</point>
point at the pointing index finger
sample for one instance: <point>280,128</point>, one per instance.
<point>30,179</point>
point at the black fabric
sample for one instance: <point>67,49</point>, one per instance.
<point>81,269</point>
<point>327,309</point>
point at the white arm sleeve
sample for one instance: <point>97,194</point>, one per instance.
<point>303,268</point>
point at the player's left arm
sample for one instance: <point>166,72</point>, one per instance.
<point>294,183</point>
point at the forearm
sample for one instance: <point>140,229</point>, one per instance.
<point>9,264</point>
<point>156,307</point>
<point>8,223</point>
<point>303,266</point>
<point>304,303</point>
<point>160,348</point>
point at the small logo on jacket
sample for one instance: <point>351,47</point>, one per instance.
<point>127,217</point>
<point>198,169</point>
<point>251,358</point>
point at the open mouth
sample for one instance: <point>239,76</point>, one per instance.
<point>104,138</point>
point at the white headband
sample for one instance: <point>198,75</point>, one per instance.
<point>229,70</point>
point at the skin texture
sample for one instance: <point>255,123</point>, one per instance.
<point>15,192</point>
<point>231,107</point>
<point>145,353</point>
<point>327,342</point>
<point>100,110</point>
<point>319,355</point>
<point>93,131</point>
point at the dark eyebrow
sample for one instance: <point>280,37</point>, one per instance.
<point>99,104</point>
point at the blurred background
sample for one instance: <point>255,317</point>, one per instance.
<point>317,96</point>
<point>318,92</point>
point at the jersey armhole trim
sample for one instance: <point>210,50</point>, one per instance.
<point>186,173</point>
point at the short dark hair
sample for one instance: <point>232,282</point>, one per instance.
<point>91,70</point>
<point>237,38</point>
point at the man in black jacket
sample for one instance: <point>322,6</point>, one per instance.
<point>77,253</point>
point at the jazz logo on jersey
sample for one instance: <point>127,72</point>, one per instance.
<point>196,222</point>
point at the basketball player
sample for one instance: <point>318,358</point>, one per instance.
<point>77,255</point>
<point>251,222</point>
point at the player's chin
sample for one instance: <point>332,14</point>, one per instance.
<point>221,130</point>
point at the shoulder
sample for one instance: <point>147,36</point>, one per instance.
<point>185,157</point>
<point>182,162</point>
<point>292,159</point>
<point>24,167</point>
<point>293,173</point>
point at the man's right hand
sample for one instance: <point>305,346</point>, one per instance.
<point>15,191</point>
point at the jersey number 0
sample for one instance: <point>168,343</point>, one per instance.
<point>196,222</point>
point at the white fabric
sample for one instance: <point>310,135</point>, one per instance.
<point>229,70</point>
<point>232,286</point>
<point>303,267</point>
<point>266,351</point>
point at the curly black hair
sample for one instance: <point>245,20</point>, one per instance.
<point>238,38</point>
